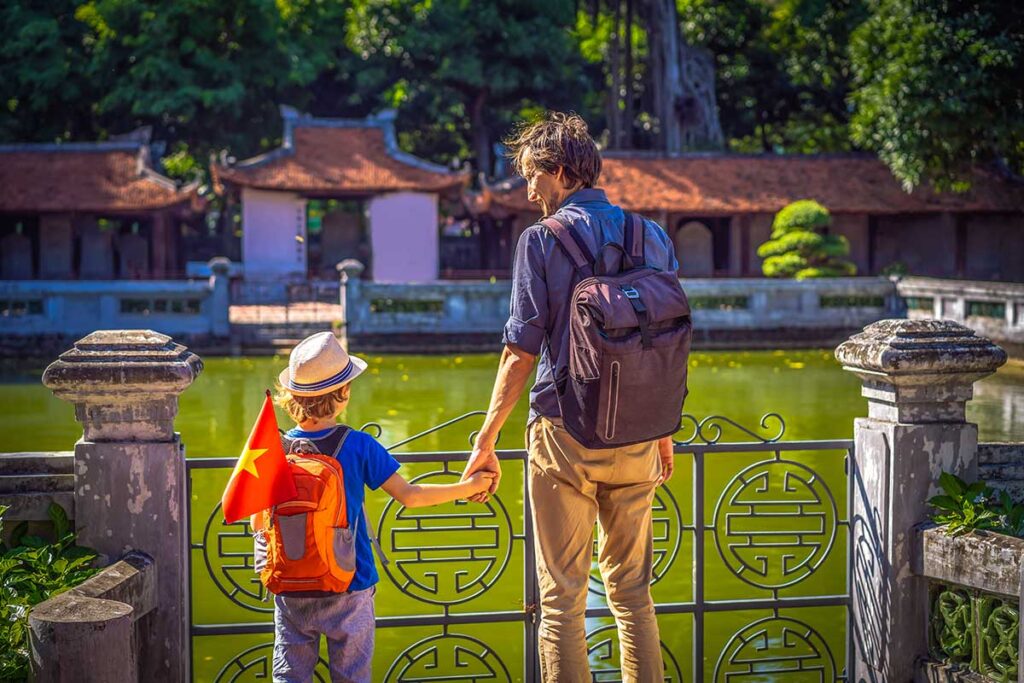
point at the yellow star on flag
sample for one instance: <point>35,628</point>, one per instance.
<point>247,461</point>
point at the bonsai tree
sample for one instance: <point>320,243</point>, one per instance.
<point>800,246</point>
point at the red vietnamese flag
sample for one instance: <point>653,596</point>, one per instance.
<point>261,478</point>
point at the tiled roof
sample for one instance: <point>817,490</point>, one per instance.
<point>730,184</point>
<point>338,156</point>
<point>93,177</point>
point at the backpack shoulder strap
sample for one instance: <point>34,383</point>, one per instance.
<point>345,431</point>
<point>634,237</point>
<point>573,246</point>
<point>374,541</point>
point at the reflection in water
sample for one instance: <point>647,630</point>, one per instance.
<point>998,405</point>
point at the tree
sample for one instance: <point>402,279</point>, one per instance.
<point>801,247</point>
<point>467,68</point>
<point>782,69</point>
<point>207,73</point>
<point>938,87</point>
<point>47,96</point>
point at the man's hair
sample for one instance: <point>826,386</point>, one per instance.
<point>557,140</point>
<point>302,408</point>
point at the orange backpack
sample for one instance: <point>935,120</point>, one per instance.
<point>306,544</point>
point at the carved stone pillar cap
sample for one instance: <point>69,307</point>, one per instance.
<point>919,347</point>
<point>123,361</point>
<point>124,383</point>
<point>351,267</point>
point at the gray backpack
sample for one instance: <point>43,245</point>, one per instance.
<point>629,344</point>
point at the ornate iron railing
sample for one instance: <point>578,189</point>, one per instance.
<point>751,572</point>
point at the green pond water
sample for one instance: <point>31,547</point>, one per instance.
<point>461,559</point>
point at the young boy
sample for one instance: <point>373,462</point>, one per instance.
<point>315,388</point>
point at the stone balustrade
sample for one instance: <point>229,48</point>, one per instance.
<point>994,309</point>
<point>727,312</point>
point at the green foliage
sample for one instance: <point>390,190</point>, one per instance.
<point>468,69</point>
<point>805,214</point>
<point>969,507</point>
<point>799,247</point>
<point>33,569</point>
<point>938,87</point>
<point>181,165</point>
<point>783,70</point>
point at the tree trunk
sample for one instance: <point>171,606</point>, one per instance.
<point>627,115</point>
<point>481,140</point>
<point>615,81</point>
<point>683,84</point>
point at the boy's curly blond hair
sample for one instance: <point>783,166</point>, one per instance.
<point>303,408</point>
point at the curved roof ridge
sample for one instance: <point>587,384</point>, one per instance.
<point>369,163</point>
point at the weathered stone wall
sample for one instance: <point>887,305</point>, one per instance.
<point>1002,466</point>
<point>29,482</point>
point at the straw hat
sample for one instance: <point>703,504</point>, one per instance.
<point>319,365</point>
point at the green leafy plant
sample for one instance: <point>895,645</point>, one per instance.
<point>800,246</point>
<point>969,507</point>
<point>33,569</point>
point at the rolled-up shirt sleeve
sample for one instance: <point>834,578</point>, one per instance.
<point>528,315</point>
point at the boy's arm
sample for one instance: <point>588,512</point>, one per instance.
<point>422,495</point>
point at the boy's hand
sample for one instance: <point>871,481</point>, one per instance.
<point>481,481</point>
<point>483,457</point>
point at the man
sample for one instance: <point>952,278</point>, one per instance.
<point>571,487</point>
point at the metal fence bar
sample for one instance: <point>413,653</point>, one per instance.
<point>698,565</point>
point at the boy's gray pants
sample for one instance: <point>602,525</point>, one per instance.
<point>346,619</point>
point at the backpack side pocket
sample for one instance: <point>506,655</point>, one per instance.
<point>259,551</point>
<point>345,548</point>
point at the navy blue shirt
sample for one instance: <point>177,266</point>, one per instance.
<point>543,279</point>
<point>364,463</point>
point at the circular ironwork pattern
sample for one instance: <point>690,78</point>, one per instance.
<point>256,664</point>
<point>775,523</point>
<point>448,657</point>
<point>230,565</point>
<point>604,653</point>
<point>776,648</point>
<point>441,557</point>
<point>667,523</point>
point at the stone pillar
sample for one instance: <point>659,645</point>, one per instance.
<point>918,376</point>
<point>130,481</point>
<point>220,297</point>
<point>349,286</point>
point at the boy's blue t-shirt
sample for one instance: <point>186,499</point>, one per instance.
<point>365,463</point>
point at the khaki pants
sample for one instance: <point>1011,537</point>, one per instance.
<point>571,487</point>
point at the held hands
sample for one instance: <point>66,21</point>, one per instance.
<point>483,458</point>
<point>481,481</point>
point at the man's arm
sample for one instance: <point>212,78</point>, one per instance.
<point>514,370</point>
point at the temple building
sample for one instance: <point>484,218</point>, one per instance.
<point>90,211</point>
<point>338,189</point>
<point>718,208</point>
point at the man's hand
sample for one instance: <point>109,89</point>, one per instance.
<point>668,459</point>
<point>483,457</point>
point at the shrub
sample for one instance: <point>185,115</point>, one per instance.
<point>968,507</point>
<point>32,570</point>
<point>800,246</point>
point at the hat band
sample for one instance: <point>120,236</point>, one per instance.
<point>323,384</point>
